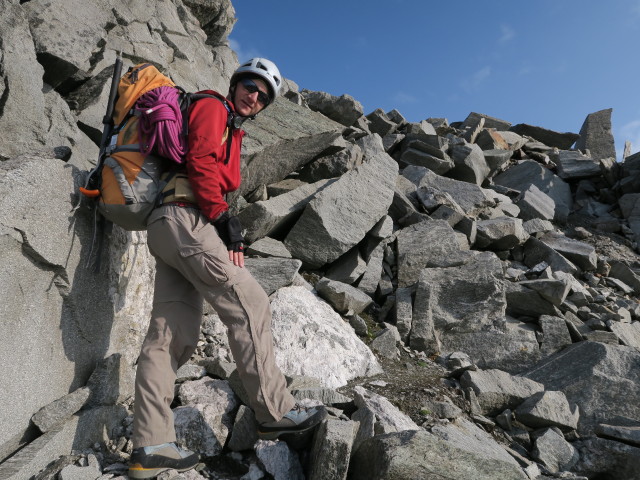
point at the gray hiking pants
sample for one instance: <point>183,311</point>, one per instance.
<point>192,264</point>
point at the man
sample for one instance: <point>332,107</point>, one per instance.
<point>199,252</point>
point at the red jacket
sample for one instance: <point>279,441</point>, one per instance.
<point>210,175</point>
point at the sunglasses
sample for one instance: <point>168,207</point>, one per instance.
<point>251,87</point>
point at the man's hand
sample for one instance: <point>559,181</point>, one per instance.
<point>230,231</point>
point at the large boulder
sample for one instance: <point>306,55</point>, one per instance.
<point>420,454</point>
<point>596,136</point>
<point>339,217</point>
<point>312,339</point>
<point>594,376</point>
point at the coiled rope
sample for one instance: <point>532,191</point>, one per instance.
<point>160,123</point>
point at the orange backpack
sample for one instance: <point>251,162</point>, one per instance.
<point>126,183</point>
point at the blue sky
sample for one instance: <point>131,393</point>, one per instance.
<point>547,63</point>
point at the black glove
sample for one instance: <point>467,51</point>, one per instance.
<point>230,231</point>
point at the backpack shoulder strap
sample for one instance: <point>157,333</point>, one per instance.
<point>187,99</point>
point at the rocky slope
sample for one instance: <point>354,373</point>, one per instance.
<point>463,295</point>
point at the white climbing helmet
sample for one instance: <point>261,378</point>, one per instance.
<point>264,69</point>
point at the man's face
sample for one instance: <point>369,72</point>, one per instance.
<point>250,96</point>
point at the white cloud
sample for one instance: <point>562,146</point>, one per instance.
<point>507,33</point>
<point>243,55</point>
<point>473,83</point>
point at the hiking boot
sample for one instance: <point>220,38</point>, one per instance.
<point>148,462</point>
<point>298,419</point>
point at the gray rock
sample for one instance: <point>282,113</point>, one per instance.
<point>582,254</point>
<point>428,151</point>
<point>470,165</point>
<point>563,141</point>
<point>462,309</point>
<point>497,159</point>
<point>74,472</point>
<point>466,435</point>
<point>359,325</point>
<point>344,109</point>
<point>268,247</point>
<point>627,333</point>
<point>273,273</point>
<point>384,344</point>
<point>537,225</point>
<point>471,198</point>
<point>380,123</point>
<point>473,119</point>
<point>348,268</point>
<point>190,371</point>
<point>331,450</point>
<point>204,427</point>
<point>592,375</point>
<point>552,290</point>
<point>420,454</point>
<point>108,379</point>
<point>630,207</point>
<point>207,390</point>
<point>446,409</point>
<point>527,172</point>
<point>80,432</point>
<point>554,452</point>
<point>596,136</point>
<point>279,460</point>
<point>555,334</point>
<point>623,272</point>
<point>327,396</point>
<point>503,233</point>
<point>339,217</point>
<point>537,252</point>
<point>535,204</point>
<point>388,418</point>
<point>52,415</point>
<point>344,298</point>
<point>573,165</point>
<point>294,134</point>
<point>373,271</point>
<point>523,301</point>
<point>431,243</point>
<point>497,390</point>
<point>627,431</point>
<point>333,165</point>
<point>244,434</point>
<point>599,456</point>
<point>548,409</point>
<point>311,339</point>
<point>489,139</point>
<point>277,215</point>
<point>275,189</point>
<point>403,309</point>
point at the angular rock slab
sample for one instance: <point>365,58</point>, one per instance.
<point>273,273</point>
<point>340,216</point>
<point>527,172</point>
<point>596,135</point>
<point>497,390</point>
<point>431,243</point>
<point>312,339</point>
<point>453,304</point>
<point>292,134</point>
<point>420,454</point>
<point>331,450</point>
<point>548,409</point>
<point>594,376</point>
